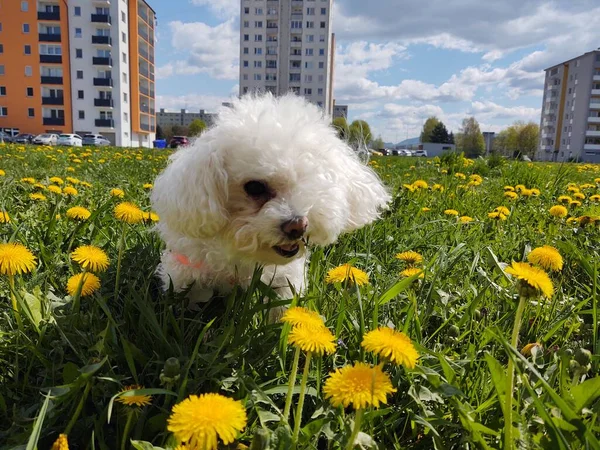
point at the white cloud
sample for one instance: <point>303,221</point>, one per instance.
<point>486,110</point>
<point>222,8</point>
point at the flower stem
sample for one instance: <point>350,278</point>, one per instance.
<point>291,385</point>
<point>13,298</point>
<point>300,406</point>
<point>77,296</point>
<point>510,379</point>
<point>120,257</point>
<point>127,429</point>
<point>356,429</point>
<point>75,416</point>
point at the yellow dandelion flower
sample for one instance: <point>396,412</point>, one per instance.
<point>511,195</point>
<point>134,399</point>
<point>392,345</point>
<point>148,186</point>
<point>497,215</point>
<point>573,189</point>
<point>29,180</point>
<point>587,186</point>
<point>425,209</point>
<point>15,259</point>
<point>86,184</point>
<point>420,184</point>
<point>547,257</point>
<point>298,315</point>
<point>312,338</point>
<point>73,180</point>
<point>413,271</point>
<point>595,198</point>
<point>4,217</point>
<point>78,213</point>
<point>451,212</point>
<point>520,187</point>
<point>70,191</point>
<point>57,180</point>
<point>128,213</point>
<point>54,189</point>
<point>564,199</point>
<point>150,217</point>
<point>119,193</point>
<point>2,173</point>
<point>438,187</point>
<point>444,171</point>
<point>502,210</point>
<point>200,420</point>
<point>91,283</point>
<point>460,176</point>
<point>39,186</point>
<point>578,196</point>
<point>61,443</point>
<point>572,220</point>
<point>526,351</point>
<point>410,257</point>
<point>347,272</point>
<point>37,196</point>
<point>558,211</point>
<point>360,385</point>
<point>575,203</point>
<point>465,219</point>
<point>535,192</point>
<point>533,280</point>
<point>509,188</point>
<point>410,187</point>
<point>90,258</point>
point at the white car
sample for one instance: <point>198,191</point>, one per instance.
<point>95,139</point>
<point>46,139</point>
<point>420,153</point>
<point>72,140</point>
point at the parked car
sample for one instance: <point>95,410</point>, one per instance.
<point>420,153</point>
<point>404,152</point>
<point>95,139</point>
<point>46,139</point>
<point>24,138</point>
<point>384,151</point>
<point>176,141</point>
<point>72,140</point>
<point>5,137</point>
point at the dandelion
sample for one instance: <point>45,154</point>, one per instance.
<point>4,217</point>
<point>89,283</point>
<point>412,271</point>
<point>558,211</point>
<point>575,203</point>
<point>511,195</point>
<point>509,188</point>
<point>57,180</point>
<point>460,176</point>
<point>410,257</point>
<point>465,219</point>
<point>526,192</point>
<point>90,258</point>
<point>425,209</point>
<point>564,199</point>
<point>70,191</point>
<point>117,193</point>
<point>148,186</point>
<point>54,189</point>
<point>392,345</point>
<point>421,184</point>
<point>497,215</point>
<point>595,198</point>
<point>298,315</point>
<point>29,180</point>
<point>438,187</point>
<point>200,420</point>
<point>128,213</point>
<point>135,399</point>
<point>573,189</point>
<point>37,196</point>
<point>520,187</point>
<point>410,187</point>
<point>78,213</point>
<point>61,443</point>
<point>2,173</point>
<point>312,338</point>
<point>73,180</point>
<point>15,259</point>
<point>39,186</point>
<point>346,272</point>
<point>533,281</point>
<point>535,192</point>
<point>150,217</point>
<point>547,257</point>
<point>451,212</point>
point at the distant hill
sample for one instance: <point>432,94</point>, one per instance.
<point>411,141</point>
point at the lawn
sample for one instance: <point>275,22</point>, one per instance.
<point>105,362</point>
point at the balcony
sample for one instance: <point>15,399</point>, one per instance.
<point>102,40</point>
<point>103,82</point>
<point>46,37</point>
<point>101,61</point>
<point>101,18</point>
<point>54,121</point>
<point>53,100</point>
<point>45,15</point>
<point>104,102</point>
<point>593,119</point>
<point>546,147</point>
<point>595,91</point>
<point>547,135</point>
<point>592,133</point>
<point>596,77</point>
<point>51,80</point>
<point>594,105</point>
<point>591,146</point>
<point>105,123</point>
<point>51,59</point>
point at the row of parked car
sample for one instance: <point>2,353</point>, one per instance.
<point>401,152</point>
<point>69,139</point>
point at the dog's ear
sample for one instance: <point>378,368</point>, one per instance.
<point>366,195</point>
<point>190,194</point>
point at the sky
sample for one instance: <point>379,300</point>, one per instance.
<point>397,61</point>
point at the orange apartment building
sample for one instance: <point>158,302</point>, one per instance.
<point>82,66</point>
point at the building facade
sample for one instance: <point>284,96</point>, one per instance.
<point>78,66</point>
<point>287,45</point>
<point>488,137</point>
<point>570,122</point>
<point>340,111</point>
<point>183,118</point>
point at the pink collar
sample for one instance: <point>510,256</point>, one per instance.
<point>185,261</point>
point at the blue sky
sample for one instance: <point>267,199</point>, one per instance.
<point>397,61</point>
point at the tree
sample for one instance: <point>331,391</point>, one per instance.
<point>428,127</point>
<point>451,138</point>
<point>472,142</point>
<point>197,127</point>
<point>360,133</point>
<point>377,144</point>
<point>341,126</point>
<point>439,134</point>
<point>178,130</point>
<point>518,139</point>
<point>528,139</point>
<point>160,134</point>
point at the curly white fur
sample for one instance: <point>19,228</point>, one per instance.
<point>216,234</point>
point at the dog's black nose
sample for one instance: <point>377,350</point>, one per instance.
<point>295,228</point>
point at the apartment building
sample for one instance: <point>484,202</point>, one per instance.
<point>82,66</point>
<point>570,122</point>
<point>340,111</point>
<point>183,118</point>
<point>287,45</point>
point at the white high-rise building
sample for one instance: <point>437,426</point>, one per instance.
<point>287,45</point>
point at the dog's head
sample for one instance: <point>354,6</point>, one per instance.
<point>270,174</point>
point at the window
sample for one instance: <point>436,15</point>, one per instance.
<point>245,63</point>
<point>125,98</point>
<point>29,92</point>
<point>2,90</point>
<point>294,77</point>
<point>3,111</point>
<point>124,37</point>
<point>246,10</point>
<point>123,17</point>
<point>257,77</point>
<point>320,91</point>
<point>321,38</point>
<point>80,74</point>
<point>258,51</point>
<point>321,52</point>
<point>310,24</point>
<point>577,63</point>
<point>245,50</point>
<point>272,64</point>
<point>27,49</point>
<point>78,32</point>
<point>246,23</point>
<point>310,11</point>
<point>246,37</point>
<point>321,78</point>
<point>321,65</point>
<point>257,64</point>
<point>323,11</point>
<point>309,52</point>
<point>1,48</point>
<point>245,77</point>
<point>81,114</point>
<point>258,38</point>
<point>125,117</point>
<point>258,11</point>
<point>310,38</point>
<point>78,53</point>
<point>322,24</point>
<point>258,24</point>
<point>307,91</point>
<point>77,11</point>
<point>25,28</point>
<point>28,71</point>
<point>124,76</point>
<point>80,95</point>
<point>296,24</point>
<point>124,57</point>
<point>309,65</point>
<point>31,112</point>
<point>24,6</point>
<point>1,69</point>
<point>570,90</point>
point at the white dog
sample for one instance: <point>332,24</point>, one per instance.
<point>268,177</point>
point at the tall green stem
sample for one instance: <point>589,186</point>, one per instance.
<point>13,299</point>
<point>120,257</point>
<point>356,429</point>
<point>298,418</point>
<point>75,416</point>
<point>291,385</point>
<point>127,428</point>
<point>510,379</point>
<point>77,296</point>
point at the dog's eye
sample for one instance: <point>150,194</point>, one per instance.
<point>256,188</point>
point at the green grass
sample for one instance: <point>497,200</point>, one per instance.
<point>61,371</point>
